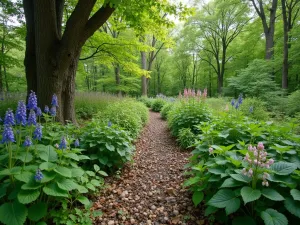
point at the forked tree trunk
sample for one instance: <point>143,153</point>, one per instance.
<point>51,57</point>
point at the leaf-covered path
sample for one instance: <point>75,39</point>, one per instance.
<point>150,191</point>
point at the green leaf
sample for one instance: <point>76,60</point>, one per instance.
<point>222,198</point>
<point>296,194</point>
<point>96,167</point>
<point>47,166</point>
<point>97,213</point>
<point>216,170</point>
<point>82,189</point>
<point>53,190</point>
<point>72,156</point>
<point>28,196</point>
<point>47,153</point>
<point>24,176</point>
<point>77,172</point>
<point>96,183</point>
<point>210,209</point>
<point>233,206</point>
<point>197,197</point>
<point>103,173</point>
<point>273,217</point>
<point>292,206</point>
<point>31,185</point>
<point>109,147</point>
<point>192,180</point>
<point>245,220</point>
<point>25,157</point>
<point>283,168</point>
<point>272,194</point>
<point>249,194</point>
<point>230,182</point>
<point>3,189</point>
<point>84,200</point>
<point>241,177</point>
<point>37,211</point>
<point>66,184</point>
<point>63,171</point>
<point>91,187</point>
<point>13,213</point>
<point>48,176</point>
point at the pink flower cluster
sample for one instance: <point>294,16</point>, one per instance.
<point>257,158</point>
<point>191,93</point>
<point>211,150</point>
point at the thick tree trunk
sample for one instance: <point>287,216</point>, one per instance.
<point>144,78</point>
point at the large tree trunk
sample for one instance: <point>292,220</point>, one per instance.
<point>118,78</point>
<point>51,57</point>
<point>144,78</point>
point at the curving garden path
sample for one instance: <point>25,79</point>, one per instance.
<point>150,190</point>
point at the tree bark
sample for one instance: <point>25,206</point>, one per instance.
<point>144,78</point>
<point>51,57</point>
<point>285,66</point>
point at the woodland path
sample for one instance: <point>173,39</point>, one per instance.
<point>150,190</point>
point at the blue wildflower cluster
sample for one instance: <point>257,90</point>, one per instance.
<point>109,124</point>
<point>31,118</point>
<point>236,103</point>
<point>21,114</point>
<point>46,110</point>
<point>27,142</point>
<point>32,101</point>
<point>9,119</point>
<point>38,175</point>
<point>76,143</point>
<point>8,135</point>
<point>37,134</point>
<point>63,143</point>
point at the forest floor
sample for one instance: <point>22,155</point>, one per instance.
<point>150,191</point>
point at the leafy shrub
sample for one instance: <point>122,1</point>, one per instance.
<point>157,104</point>
<point>254,108</point>
<point>141,110</point>
<point>107,145</point>
<point>293,105</point>
<point>38,178</point>
<point>187,115</point>
<point>126,114</point>
<point>165,110</point>
<point>186,138</point>
<point>147,101</point>
<point>233,176</point>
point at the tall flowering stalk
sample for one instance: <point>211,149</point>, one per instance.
<point>257,161</point>
<point>32,101</point>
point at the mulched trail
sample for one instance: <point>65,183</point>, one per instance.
<point>150,191</point>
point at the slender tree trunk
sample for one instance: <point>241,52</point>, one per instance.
<point>285,66</point>
<point>1,81</point>
<point>144,78</point>
<point>5,77</point>
<point>118,78</point>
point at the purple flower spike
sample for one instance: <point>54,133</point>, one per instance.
<point>32,101</point>
<point>38,175</point>
<point>8,135</point>
<point>38,111</point>
<point>21,113</point>
<point>76,143</point>
<point>32,118</point>
<point>53,111</point>
<point>54,101</point>
<point>37,134</point>
<point>63,143</point>
<point>27,142</point>
<point>9,118</point>
<point>46,110</point>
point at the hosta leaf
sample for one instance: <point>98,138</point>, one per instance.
<point>292,206</point>
<point>272,194</point>
<point>222,198</point>
<point>273,217</point>
<point>28,196</point>
<point>233,206</point>
<point>230,182</point>
<point>53,190</point>
<point>13,213</point>
<point>296,194</point>
<point>24,176</point>
<point>67,184</point>
<point>283,168</point>
<point>84,200</point>
<point>37,211</point>
<point>245,220</point>
<point>63,171</point>
<point>77,172</point>
<point>47,153</point>
<point>249,194</point>
<point>197,197</point>
<point>241,177</point>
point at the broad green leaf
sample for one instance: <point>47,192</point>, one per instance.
<point>63,171</point>
<point>96,167</point>
<point>53,190</point>
<point>72,156</point>
<point>296,194</point>
<point>197,197</point>
<point>273,217</point>
<point>210,209</point>
<point>192,180</point>
<point>249,194</point>
<point>241,177</point>
<point>283,168</point>
<point>82,189</point>
<point>109,147</point>
<point>233,206</point>
<point>13,213</point>
<point>96,183</point>
<point>272,194</point>
<point>230,182</point>
<point>90,186</point>
<point>217,171</point>
<point>24,176</point>
<point>66,184</point>
<point>77,172</point>
<point>245,220</point>
<point>48,176</point>
<point>3,189</point>
<point>25,157</point>
<point>292,206</point>
<point>84,200</point>
<point>222,198</point>
<point>103,173</point>
<point>31,185</point>
<point>28,196</point>
<point>47,153</point>
<point>47,166</point>
<point>37,211</point>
